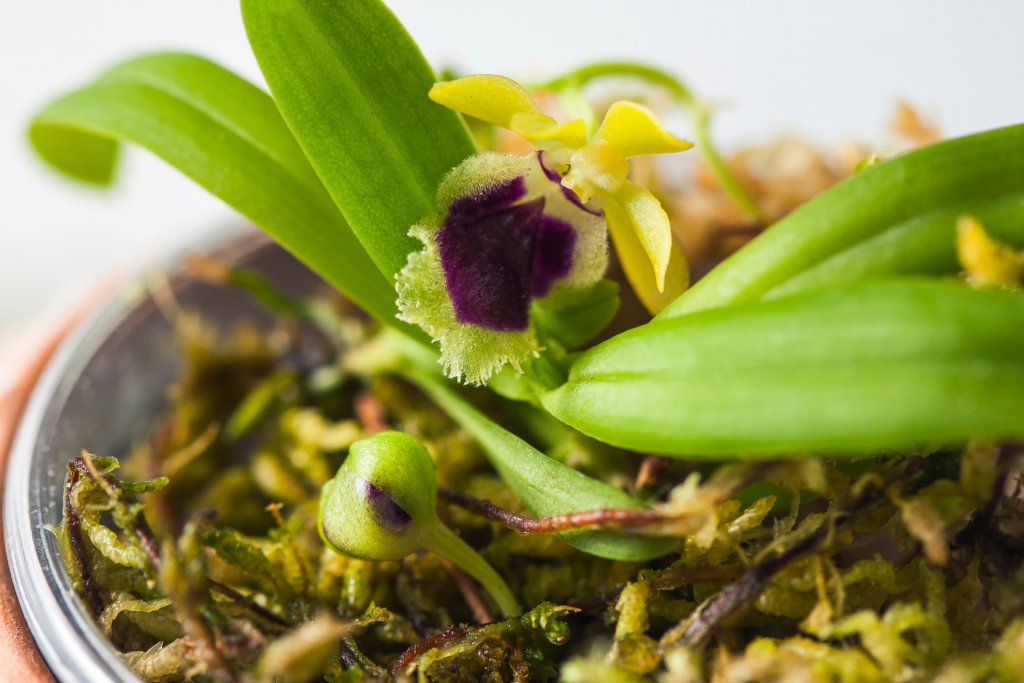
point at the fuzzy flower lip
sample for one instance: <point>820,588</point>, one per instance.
<point>594,168</point>
<point>508,238</point>
<point>498,254</point>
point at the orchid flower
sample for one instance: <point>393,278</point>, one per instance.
<point>595,168</point>
<point>521,231</point>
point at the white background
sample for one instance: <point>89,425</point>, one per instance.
<point>825,69</point>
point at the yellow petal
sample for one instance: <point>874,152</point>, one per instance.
<point>597,167</point>
<point>634,129</point>
<point>494,99</point>
<point>637,265</point>
<point>540,128</point>
<point>650,223</point>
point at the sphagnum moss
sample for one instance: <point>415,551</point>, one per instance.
<point>902,569</point>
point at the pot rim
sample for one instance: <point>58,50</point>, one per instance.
<point>70,641</point>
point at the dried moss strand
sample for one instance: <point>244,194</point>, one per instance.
<point>371,413</point>
<point>445,637</point>
<point>351,656</point>
<point>76,545</point>
<point>1008,461</point>
<point>669,579</point>
<point>652,469</point>
<point>732,600</point>
<point>470,593</point>
<point>187,596</point>
<point>258,610</point>
<point>738,595</point>
<point>110,484</point>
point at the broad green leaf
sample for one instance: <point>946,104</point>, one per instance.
<point>352,86</point>
<point>893,218</point>
<point>226,135</point>
<point>856,369</point>
<point>76,152</point>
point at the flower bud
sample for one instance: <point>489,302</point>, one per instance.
<point>382,497</point>
<point>382,505</point>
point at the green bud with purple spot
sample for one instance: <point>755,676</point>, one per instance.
<point>382,505</point>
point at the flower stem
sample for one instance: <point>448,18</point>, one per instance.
<point>447,544</point>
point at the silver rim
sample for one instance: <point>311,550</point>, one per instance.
<point>63,633</point>
<point>69,640</point>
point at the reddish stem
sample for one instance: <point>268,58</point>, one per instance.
<point>471,593</point>
<point>526,524</point>
<point>449,635</point>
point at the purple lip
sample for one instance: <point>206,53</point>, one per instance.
<point>552,257</point>
<point>498,255</point>
<point>487,201</point>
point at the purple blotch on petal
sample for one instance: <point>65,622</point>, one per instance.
<point>488,200</point>
<point>553,254</point>
<point>488,261</point>
<point>551,174</point>
<point>554,177</point>
<point>575,199</point>
<point>385,511</point>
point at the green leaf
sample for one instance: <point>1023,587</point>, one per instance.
<point>544,486</point>
<point>226,135</point>
<point>893,218</point>
<point>352,86</point>
<point>855,369</point>
<point>75,152</point>
<point>921,246</point>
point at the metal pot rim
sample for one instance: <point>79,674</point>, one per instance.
<point>69,640</point>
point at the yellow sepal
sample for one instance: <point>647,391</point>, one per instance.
<point>637,264</point>
<point>538,127</point>
<point>635,130</point>
<point>494,99</point>
<point>650,224</point>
